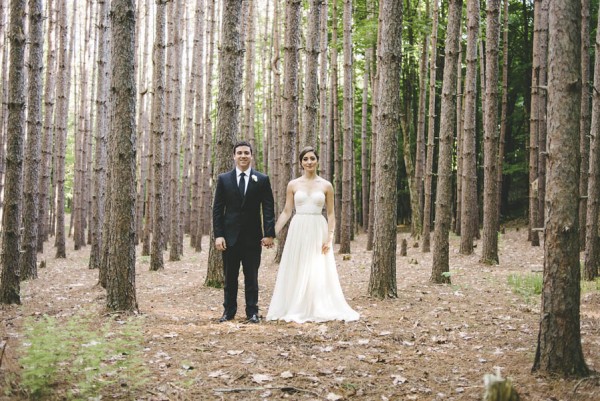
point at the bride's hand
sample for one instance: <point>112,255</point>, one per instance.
<point>325,248</point>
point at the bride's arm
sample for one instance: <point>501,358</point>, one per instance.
<point>287,210</point>
<point>330,212</point>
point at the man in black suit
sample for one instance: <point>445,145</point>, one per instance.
<point>240,196</point>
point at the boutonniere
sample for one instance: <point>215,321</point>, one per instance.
<point>254,178</point>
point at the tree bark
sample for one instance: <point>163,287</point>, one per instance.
<point>382,282</point>
<point>443,201</point>
<point>348,133</point>
<point>311,82</point>
<point>489,251</point>
<point>158,134</point>
<point>584,120</point>
<point>468,219</point>
<point>592,241</point>
<point>11,213</point>
<point>228,111</point>
<point>34,133</point>
<point>426,246</point>
<point>559,340</point>
<point>121,295</point>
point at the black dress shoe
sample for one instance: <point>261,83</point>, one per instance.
<point>254,319</point>
<point>225,318</point>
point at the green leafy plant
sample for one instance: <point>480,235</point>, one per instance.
<point>79,359</point>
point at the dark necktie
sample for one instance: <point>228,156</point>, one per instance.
<point>242,184</point>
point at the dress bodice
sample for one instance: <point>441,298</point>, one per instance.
<point>309,203</point>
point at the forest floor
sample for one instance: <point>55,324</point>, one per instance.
<point>433,342</point>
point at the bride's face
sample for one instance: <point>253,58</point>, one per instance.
<point>310,162</point>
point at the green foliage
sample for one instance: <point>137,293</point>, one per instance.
<point>81,358</point>
<point>527,285</point>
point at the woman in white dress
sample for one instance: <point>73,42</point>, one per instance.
<point>308,287</point>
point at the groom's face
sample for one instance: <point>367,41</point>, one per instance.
<point>242,157</point>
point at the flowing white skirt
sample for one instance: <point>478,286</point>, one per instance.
<point>308,286</point>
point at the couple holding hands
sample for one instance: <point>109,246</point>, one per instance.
<point>307,286</point>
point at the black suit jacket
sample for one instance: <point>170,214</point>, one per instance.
<point>233,214</point>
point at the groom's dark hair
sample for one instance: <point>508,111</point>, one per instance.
<point>242,143</point>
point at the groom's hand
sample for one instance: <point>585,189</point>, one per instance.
<point>267,242</point>
<point>220,244</point>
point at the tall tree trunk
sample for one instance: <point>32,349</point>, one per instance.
<point>311,90</point>
<point>102,121</point>
<point>559,340</point>
<point>382,281</point>
<point>206,208</point>
<point>489,252</point>
<point>534,124</point>
<point>374,134</point>
<point>231,63</point>
<point>426,246</point>
<point>11,214</point>
<point>364,143</point>
<point>175,250</point>
<point>323,90</point>
<point>3,87</point>
<point>504,110</point>
<point>158,134</point>
<point>584,120</point>
<point>592,241</point>
<point>420,150</point>
<point>293,13</point>
<point>61,119</point>
<point>542,105</point>
<point>48,132</point>
<point>459,134</point>
<point>199,137</point>
<point>443,199</point>
<point>34,134</point>
<point>249,106</point>
<point>348,133</point>
<point>335,134</point>
<point>468,219</point>
<point>121,294</point>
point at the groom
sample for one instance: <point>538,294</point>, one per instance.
<point>240,197</point>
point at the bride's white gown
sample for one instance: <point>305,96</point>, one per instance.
<point>308,287</point>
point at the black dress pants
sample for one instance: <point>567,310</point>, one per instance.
<point>247,253</point>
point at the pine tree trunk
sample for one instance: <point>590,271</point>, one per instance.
<point>311,90</point>
<point>249,107</point>
<point>348,133</point>
<point>534,124</point>
<point>382,282</point>
<point>443,201</point>
<point>364,143</point>
<point>291,47</point>
<point>542,105</point>
<point>231,64</point>
<point>592,241</point>
<point>426,246</point>
<point>489,252</point>
<point>11,212</point>
<point>62,115</point>
<point>206,206</point>
<point>323,90</point>
<point>420,150</point>
<point>175,250</point>
<point>48,132</point>
<point>584,120</point>
<point>336,135</point>
<point>469,219</point>
<point>504,110</point>
<point>34,134</point>
<point>459,140</point>
<point>158,135</point>
<point>121,294</point>
<point>559,341</point>
<point>198,131</point>
<point>101,129</point>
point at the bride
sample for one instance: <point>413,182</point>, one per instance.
<point>308,286</point>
